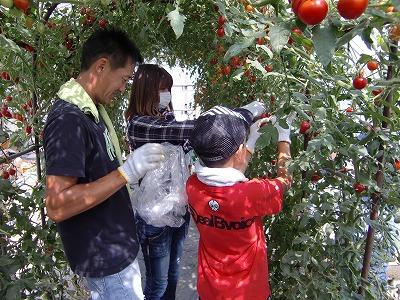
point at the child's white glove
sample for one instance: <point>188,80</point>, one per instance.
<point>283,133</point>
<point>143,159</point>
<point>254,134</point>
<point>257,108</point>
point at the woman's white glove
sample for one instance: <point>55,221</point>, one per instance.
<point>143,159</point>
<point>254,134</point>
<point>257,108</point>
<point>283,133</point>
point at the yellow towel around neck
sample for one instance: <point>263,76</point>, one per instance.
<point>74,93</point>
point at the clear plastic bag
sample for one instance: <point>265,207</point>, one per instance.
<point>161,199</point>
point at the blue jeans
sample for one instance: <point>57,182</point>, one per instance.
<point>162,250</point>
<point>120,286</point>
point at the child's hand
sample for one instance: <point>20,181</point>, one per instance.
<point>283,133</point>
<point>256,108</point>
<point>254,134</point>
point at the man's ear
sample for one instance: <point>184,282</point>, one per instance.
<point>100,64</point>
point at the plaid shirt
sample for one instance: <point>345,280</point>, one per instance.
<point>149,129</point>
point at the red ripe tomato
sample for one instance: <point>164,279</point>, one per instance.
<point>377,92</point>
<point>304,126</point>
<point>372,65</point>
<point>295,5</point>
<point>312,12</point>
<point>5,75</point>
<point>349,109</point>
<point>69,44</point>
<point>12,171</point>
<point>103,23</point>
<point>235,61</point>
<point>359,187</point>
<point>315,178</point>
<point>214,61</point>
<point>28,129</point>
<point>29,48</point>
<point>21,4</point>
<point>260,41</point>
<point>351,9</point>
<point>397,165</point>
<point>221,32</point>
<point>253,78</point>
<point>297,30</point>
<point>221,20</point>
<point>265,115</point>
<point>226,70</point>
<point>268,68</point>
<point>5,175</point>
<point>360,82</point>
<point>7,114</point>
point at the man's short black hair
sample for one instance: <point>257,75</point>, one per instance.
<point>111,43</point>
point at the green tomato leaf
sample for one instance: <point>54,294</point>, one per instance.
<point>13,292</point>
<point>396,3</point>
<point>364,58</point>
<point>279,37</point>
<point>235,49</point>
<point>268,136</point>
<point>347,37</point>
<point>6,43</point>
<point>324,40</point>
<point>177,21</point>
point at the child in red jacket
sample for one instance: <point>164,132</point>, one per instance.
<point>228,208</point>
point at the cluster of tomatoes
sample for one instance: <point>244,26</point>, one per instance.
<point>18,116</point>
<point>6,173</point>
<point>312,12</point>
<point>360,82</point>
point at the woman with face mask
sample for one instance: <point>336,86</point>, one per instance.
<point>150,120</point>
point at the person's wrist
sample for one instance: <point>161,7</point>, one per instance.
<point>250,149</point>
<point>122,174</point>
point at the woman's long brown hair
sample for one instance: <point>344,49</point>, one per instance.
<point>149,79</point>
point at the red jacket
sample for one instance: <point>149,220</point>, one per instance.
<point>232,259</point>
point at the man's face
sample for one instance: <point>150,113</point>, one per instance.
<point>113,81</point>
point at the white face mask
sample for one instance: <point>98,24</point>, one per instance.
<point>165,99</point>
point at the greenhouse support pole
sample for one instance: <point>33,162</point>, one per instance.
<point>379,177</point>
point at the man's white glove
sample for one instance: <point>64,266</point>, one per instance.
<point>257,108</point>
<point>254,134</point>
<point>283,133</point>
<point>143,159</point>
